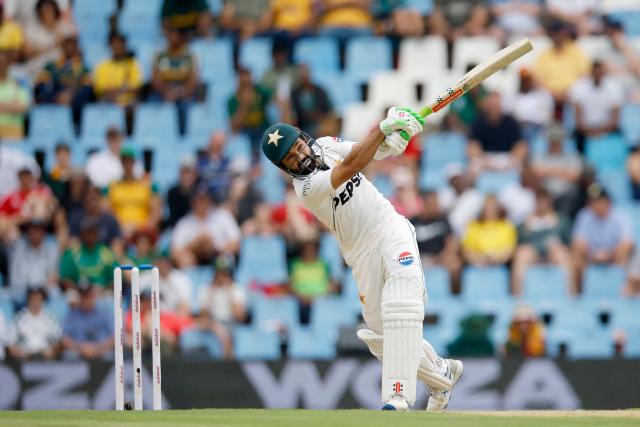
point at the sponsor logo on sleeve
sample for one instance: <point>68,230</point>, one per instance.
<point>405,258</point>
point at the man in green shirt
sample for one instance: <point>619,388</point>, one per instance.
<point>89,258</point>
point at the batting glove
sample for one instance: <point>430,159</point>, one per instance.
<point>402,120</point>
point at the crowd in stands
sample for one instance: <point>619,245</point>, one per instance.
<point>546,174</point>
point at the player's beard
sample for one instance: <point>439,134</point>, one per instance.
<point>308,165</point>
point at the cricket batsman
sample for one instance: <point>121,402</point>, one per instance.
<point>377,243</point>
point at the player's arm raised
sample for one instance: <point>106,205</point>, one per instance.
<point>395,131</point>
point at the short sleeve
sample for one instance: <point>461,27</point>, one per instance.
<point>315,188</point>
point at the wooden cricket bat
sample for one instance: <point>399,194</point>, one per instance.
<point>478,74</point>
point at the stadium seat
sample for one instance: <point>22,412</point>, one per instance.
<point>91,8</point>
<point>156,123</point>
<point>330,313</point>
<point>255,55</point>
<point>146,51</point>
<point>629,123</point>
<point>575,320</point>
<point>6,308</point>
<point>97,118</point>
<point>481,284</point>
<point>390,88</point>
<point>272,185</point>
<point>366,56</point>
<point>263,260</point>
<point>139,20</point>
<point>215,58</point>
<point>319,53</point>
<point>94,51</point>
<point>632,346</point>
<point>603,282</point>
<point>439,150</point>
<point>50,124</point>
<point>421,57</point>
<point>202,121</point>
<point>350,294</point>
<point>545,283</point>
<point>472,50</point>
<point>493,181</point>
<point>606,153</point>
<point>438,284</point>
<point>193,340</point>
<point>238,148</point>
<point>58,306</point>
<point>341,88</point>
<point>618,184</point>
<point>595,346</point>
<point>275,312</point>
<point>255,344</point>
<point>630,20</point>
<point>624,316</point>
<point>308,343</point>
<point>358,120</point>
<point>329,252</point>
<point>424,7</point>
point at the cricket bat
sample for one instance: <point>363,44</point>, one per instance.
<point>478,74</point>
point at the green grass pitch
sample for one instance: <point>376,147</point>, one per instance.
<point>306,418</point>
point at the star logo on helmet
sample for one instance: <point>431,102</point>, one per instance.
<point>274,137</point>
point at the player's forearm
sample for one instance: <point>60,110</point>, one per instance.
<point>361,154</point>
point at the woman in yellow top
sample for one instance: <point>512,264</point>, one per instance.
<point>491,239</point>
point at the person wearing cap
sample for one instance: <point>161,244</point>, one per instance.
<point>134,201</point>
<point>87,258</point>
<point>33,260</point>
<point>179,196</point>
<point>105,166</point>
<point>602,234</point>
<point>377,242</point>
<point>527,335</point>
<point>87,330</point>
<point>37,332</point>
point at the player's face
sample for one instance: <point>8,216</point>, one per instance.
<point>297,157</point>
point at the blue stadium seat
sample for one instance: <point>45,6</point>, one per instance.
<point>603,282</point>
<point>350,294</point>
<point>262,259</point>
<point>632,346</point>
<point>164,169</point>
<point>50,124</point>
<point>145,51</point>
<point>630,20</point>
<point>606,153</point>
<point>439,150</point>
<point>140,20</point>
<point>271,313</point>
<point>493,182</point>
<point>618,184</point>
<point>595,346</point>
<point>574,320</point>
<point>485,284</point>
<point>319,53</point>
<point>624,316</point>
<point>6,309</point>
<point>341,88</point>
<point>238,147</point>
<point>202,121</point>
<point>545,283</point>
<point>90,8</point>
<point>94,51</point>
<point>330,313</point>
<point>97,118</point>
<point>255,344</point>
<point>438,284</point>
<point>255,55</point>
<point>367,55</point>
<point>194,340</point>
<point>330,252</point>
<point>92,29</point>
<point>156,122</point>
<point>271,184</point>
<point>424,7</point>
<point>215,58</point>
<point>629,123</point>
<point>307,343</point>
<point>58,306</point>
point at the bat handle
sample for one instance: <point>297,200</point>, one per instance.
<point>426,111</point>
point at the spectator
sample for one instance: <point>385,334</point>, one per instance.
<point>597,101</point>
<point>310,278</point>
<point>59,176</point>
<point>191,17</point>
<point>37,332</point>
<point>623,61</point>
<point>214,168</point>
<point>179,196</point>
<point>175,76</point>
<point>204,233</point>
<point>465,109</point>
<point>583,15</point>
<point>601,234</point>
<point>526,334</point>
<point>633,169</point>
<point>311,104</point>
<point>496,140</point>
<point>11,37</point>
<point>633,276</point>
<point>25,11</point>
<point>175,288</point>
<point>261,223</point>
<point>134,201</point>
<point>436,242</point>
<point>399,18</point>
<point>518,198</point>
<point>65,80</point>
<point>291,19</point>
<point>532,106</point>
<point>33,260</point>
<point>14,101</point>
<point>473,339</point>
<point>44,36</point>
<point>543,237</point>
<point>559,170</point>
<point>460,199</point>
<point>294,221</point>
<point>87,258</point>
<point>109,233</point>
<point>105,166</point>
<point>142,248</point>
<point>558,68</point>
<point>6,336</point>
<point>243,198</point>
<point>283,75</point>
<point>119,78</point>
<point>244,19</point>
<point>248,109</point>
<point>459,18</point>
<point>406,200</point>
<point>88,331</point>
<point>517,17</point>
<point>491,239</point>
<point>12,160</point>
<point>344,19</point>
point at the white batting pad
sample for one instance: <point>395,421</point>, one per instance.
<point>402,316</point>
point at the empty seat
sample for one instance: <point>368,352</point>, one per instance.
<point>146,51</point>
<point>545,282</point>
<point>632,346</point>
<point>421,57</point>
<point>439,150</point>
<point>263,260</point>
<point>330,313</point>
<point>193,340</point>
<point>95,51</point>
<point>603,282</point>
<point>157,123</point>
<point>50,124</point>
<point>618,184</point>
<point>308,343</point>
<point>58,306</point>
<point>485,284</point>
<point>438,284</point>
<point>595,346</point>
<point>215,59</point>
<point>276,312</point>
<point>606,153</point>
<point>202,121</point>
<point>252,343</point>
<point>629,123</point>
<point>493,181</point>
<point>255,55</point>
<point>366,56</point>
<point>472,50</point>
<point>97,118</point>
<point>319,53</point>
<point>238,148</point>
<point>91,8</point>
<point>388,88</point>
<point>139,20</point>
<point>6,309</point>
<point>342,89</point>
<point>329,251</point>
